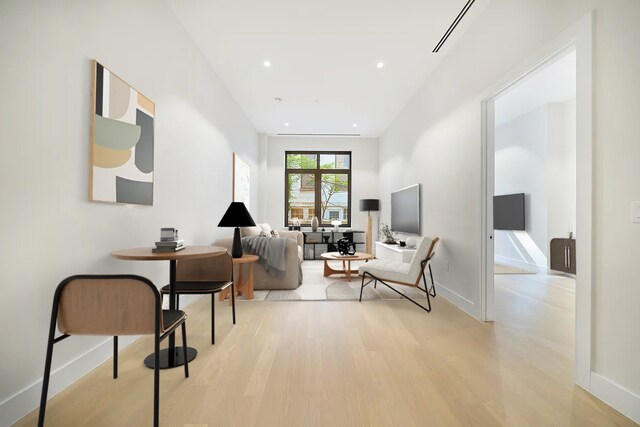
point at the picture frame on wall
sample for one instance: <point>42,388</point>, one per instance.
<point>122,141</point>
<point>241,181</point>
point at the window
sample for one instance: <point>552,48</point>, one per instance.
<point>318,184</point>
<point>297,213</point>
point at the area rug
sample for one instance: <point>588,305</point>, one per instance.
<point>509,269</point>
<point>284,295</point>
<point>342,291</point>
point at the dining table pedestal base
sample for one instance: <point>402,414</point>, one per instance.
<point>178,359</point>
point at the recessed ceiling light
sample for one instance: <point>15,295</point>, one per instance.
<point>277,99</point>
<point>286,124</point>
<point>380,64</point>
<point>355,125</point>
<point>267,63</point>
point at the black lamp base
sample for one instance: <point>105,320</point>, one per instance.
<point>236,249</point>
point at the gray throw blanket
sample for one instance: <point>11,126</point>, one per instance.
<point>272,252</point>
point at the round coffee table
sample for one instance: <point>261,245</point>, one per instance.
<point>346,263</point>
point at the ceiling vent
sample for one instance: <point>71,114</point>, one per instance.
<point>318,134</point>
<point>453,25</point>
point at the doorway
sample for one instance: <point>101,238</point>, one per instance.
<point>577,38</point>
<point>535,204</point>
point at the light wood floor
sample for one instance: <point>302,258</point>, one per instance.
<point>539,305</point>
<point>332,363</point>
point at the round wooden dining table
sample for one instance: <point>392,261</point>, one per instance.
<point>171,357</point>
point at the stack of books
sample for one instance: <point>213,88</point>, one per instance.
<point>169,246</point>
<point>169,241</point>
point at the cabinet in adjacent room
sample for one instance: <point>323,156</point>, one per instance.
<point>563,255</point>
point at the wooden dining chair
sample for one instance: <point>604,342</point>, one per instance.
<point>404,273</point>
<point>205,276</point>
<point>111,305</point>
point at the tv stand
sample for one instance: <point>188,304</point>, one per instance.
<point>394,252</point>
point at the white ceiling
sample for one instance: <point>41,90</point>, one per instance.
<point>555,82</point>
<point>323,57</point>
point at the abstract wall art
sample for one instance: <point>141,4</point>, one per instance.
<point>122,141</point>
<point>241,181</point>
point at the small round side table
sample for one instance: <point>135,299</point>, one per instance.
<point>242,287</point>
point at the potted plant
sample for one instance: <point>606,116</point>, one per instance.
<point>387,234</point>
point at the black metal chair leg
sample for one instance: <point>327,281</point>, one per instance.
<point>47,373</point>
<point>177,301</point>
<point>433,283</point>
<point>213,319</point>
<point>233,300</point>
<point>156,381</point>
<point>115,357</point>
<point>427,308</point>
<point>184,349</point>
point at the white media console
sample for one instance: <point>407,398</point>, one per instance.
<point>394,252</point>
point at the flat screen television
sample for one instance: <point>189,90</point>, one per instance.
<point>405,210</point>
<point>508,212</point>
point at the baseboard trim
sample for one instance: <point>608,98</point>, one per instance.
<point>522,264</point>
<point>613,394</point>
<point>28,399</point>
<point>25,401</point>
<point>458,300</point>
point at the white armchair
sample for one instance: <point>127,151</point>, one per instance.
<point>403,273</point>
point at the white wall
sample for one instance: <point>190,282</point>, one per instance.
<point>50,228</point>
<point>436,140</point>
<point>561,170</point>
<point>521,167</point>
<point>535,154</point>
<point>364,173</point>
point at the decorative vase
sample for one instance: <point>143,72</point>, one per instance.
<point>314,224</point>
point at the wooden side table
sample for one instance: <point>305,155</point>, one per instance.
<point>242,287</point>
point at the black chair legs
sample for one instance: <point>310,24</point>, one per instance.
<point>184,349</point>
<point>426,290</point>
<point>115,357</point>
<point>156,380</point>
<point>233,301</point>
<point>433,283</point>
<point>47,368</point>
<point>213,319</point>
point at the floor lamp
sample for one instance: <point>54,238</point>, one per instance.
<point>369,205</point>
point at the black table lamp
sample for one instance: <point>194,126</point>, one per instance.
<point>236,216</point>
<point>369,205</point>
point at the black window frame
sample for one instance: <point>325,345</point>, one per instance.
<point>317,172</point>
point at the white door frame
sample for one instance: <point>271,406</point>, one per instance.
<point>578,37</point>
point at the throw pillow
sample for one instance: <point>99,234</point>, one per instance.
<point>265,227</point>
<point>250,231</point>
<point>274,233</point>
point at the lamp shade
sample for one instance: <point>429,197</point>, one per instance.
<point>369,204</point>
<point>237,215</point>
